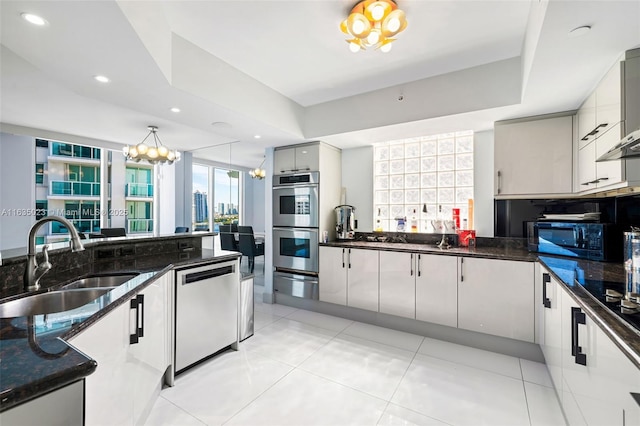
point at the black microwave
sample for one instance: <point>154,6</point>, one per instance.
<point>594,241</point>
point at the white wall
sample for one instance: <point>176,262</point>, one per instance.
<point>357,179</point>
<point>483,183</point>
<point>254,203</point>
<point>17,189</point>
<point>167,201</point>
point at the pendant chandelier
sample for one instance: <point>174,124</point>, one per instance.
<point>373,23</point>
<point>258,173</point>
<point>154,154</point>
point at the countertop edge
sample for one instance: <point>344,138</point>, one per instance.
<point>604,319</point>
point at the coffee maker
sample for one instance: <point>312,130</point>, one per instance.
<point>345,222</point>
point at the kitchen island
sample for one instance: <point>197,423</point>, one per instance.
<point>35,357</point>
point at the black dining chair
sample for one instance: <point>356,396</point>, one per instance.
<point>113,232</point>
<point>181,229</point>
<point>248,246</point>
<point>227,238</point>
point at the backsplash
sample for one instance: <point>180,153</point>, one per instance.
<point>511,215</point>
<point>104,256</point>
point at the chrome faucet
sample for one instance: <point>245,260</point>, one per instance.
<point>33,272</point>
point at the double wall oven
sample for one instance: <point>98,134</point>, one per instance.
<point>295,234</point>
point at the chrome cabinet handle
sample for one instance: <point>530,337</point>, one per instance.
<point>461,270</point>
<point>499,181</point>
<point>411,266</point>
<point>419,272</point>
<point>349,258</point>
<point>343,258</point>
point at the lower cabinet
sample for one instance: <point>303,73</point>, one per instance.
<point>598,377</point>
<point>496,297</point>
<point>349,277</point>
<point>550,326</point>
<point>437,289</point>
<point>62,407</point>
<point>131,348</point>
<point>398,283</point>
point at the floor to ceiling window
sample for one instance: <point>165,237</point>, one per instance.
<point>425,177</point>
<point>216,197</point>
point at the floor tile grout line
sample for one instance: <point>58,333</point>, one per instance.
<point>384,344</point>
<point>181,409</point>
<point>261,393</point>
<point>524,389</point>
<point>405,373</point>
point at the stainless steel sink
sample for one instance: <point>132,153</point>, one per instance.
<point>47,303</point>
<point>96,281</point>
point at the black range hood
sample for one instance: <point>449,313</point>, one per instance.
<point>629,146</point>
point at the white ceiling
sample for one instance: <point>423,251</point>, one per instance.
<point>282,69</point>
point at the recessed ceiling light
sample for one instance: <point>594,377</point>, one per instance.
<point>34,19</point>
<point>257,136</point>
<point>174,109</point>
<point>101,79</point>
<point>579,31</point>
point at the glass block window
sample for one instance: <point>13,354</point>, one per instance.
<point>429,175</point>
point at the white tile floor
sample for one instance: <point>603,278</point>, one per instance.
<point>305,368</point>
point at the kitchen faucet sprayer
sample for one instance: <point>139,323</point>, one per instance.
<point>33,272</point>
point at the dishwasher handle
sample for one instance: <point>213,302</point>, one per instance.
<point>195,277</point>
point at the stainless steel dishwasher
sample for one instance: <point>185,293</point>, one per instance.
<point>206,314</point>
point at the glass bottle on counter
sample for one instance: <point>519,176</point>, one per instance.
<point>414,222</point>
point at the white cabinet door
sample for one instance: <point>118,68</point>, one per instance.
<point>307,158</point>
<point>362,279</point>
<point>534,157</point>
<point>130,345</point>
<point>597,374</point>
<point>333,275</point>
<point>437,289</point>
<point>496,297</point>
<point>551,327</point>
<point>108,391</point>
<point>608,172</point>
<point>609,99</point>
<point>398,284</point>
<point>150,355</point>
<point>587,168</point>
<point>284,160</point>
<point>587,121</point>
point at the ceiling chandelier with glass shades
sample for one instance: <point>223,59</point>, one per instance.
<point>258,173</point>
<point>154,154</point>
<point>373,23</point>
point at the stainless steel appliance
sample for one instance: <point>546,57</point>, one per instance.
<point>246,307</point>
<point>295,200</point>
<point>595,241</point>
<point>296,248</point>
<point>631,257</point>
<point>206,312</point>
<point>296,284</point>
<point>345,222</point>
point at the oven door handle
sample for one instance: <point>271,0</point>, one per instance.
<point>292,186</point>
<point>290,230</point>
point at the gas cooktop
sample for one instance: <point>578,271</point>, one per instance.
<point>611,295</point>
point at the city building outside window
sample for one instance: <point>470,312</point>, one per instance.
<point>39,173</point>
<point>217,187</point>
<point>425,177</point>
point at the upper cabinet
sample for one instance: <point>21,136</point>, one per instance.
<point>301,158</point>
<point>601,126</point>
<point>533,156</point>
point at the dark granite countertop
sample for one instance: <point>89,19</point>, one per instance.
<point>504,253</point>
<point>28,370</point>
<point>572,273</point>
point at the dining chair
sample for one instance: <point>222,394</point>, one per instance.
<point>224,228</point>
<point>248,246</point>
<point>228,240</point>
